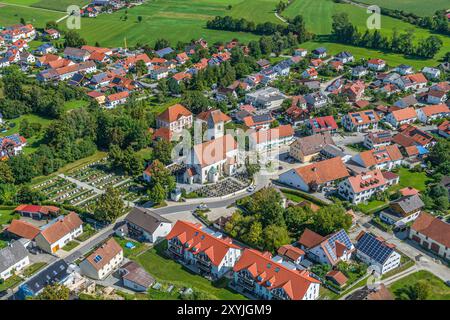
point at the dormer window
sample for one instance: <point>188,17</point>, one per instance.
<point>268,283</point>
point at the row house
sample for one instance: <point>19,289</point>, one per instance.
<point>362,187</point>
<point>383,158</point>
<point>19,31</point>
<point>434,112</point>
<point>207,252</point>
<point>361,121</point>
<point>256,273</point>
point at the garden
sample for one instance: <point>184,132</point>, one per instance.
<point>421,285</point>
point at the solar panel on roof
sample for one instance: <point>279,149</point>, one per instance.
<point>374,248</point>
<point>97,258</point>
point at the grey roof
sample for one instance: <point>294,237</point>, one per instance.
<point>314,144</point>
<point>136,274</point>
<point>12,254</point>
<point>145,219</point>
<point>409,203</point>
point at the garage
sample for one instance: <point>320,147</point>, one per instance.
<point>435,247</point>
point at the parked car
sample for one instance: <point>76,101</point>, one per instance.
<point>202,206</point>
<point>251,189</point>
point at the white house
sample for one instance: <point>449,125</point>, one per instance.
<point>403,210</point>
<point>146,225</point>
<point>431,73</point>
<point>56,234</point>
<point>266,98</point>
<point>376,64</point>
<point>271,138</point>
<point>432,234</point>
<point>361,121</point>
<point>436,97</point>
<point>383,158</point>
<point>103,261</point>
<point>403,116</point>
<point>258,274</point>
<point>376,252</point>
<point>430,113</point>
<point>13,258</point>
<point>362,187</point>
<point>210,253</point>
<point>176,118</point>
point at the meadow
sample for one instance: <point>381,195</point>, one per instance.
<point>419,7</point>
<point>11,14</point>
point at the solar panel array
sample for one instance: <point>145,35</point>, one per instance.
<point>340,236</point>
<point>97,258</point>
<point>374,248</point>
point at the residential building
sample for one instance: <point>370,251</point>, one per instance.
<point>115,99</point>
<point>320,52</point>
<point>403,210</point>
<point>362,187</point>
<point>135,277</point>
<point>146,225</point>
<point>300,52</point>
<point>344,57</point>
<point>403,116</point>
<point>103,261</point>
<point>75,54</point>
<point>444,129</point>
<point>22,229</point>
<point>305,149</point>
<point>354,90</point>
<point>330,249</point>
<point>11,145</point>
<point>361,121</point>
<point>412,136</point>
<point>265,98</point>
<point>13,258</point>
<point>310,73</point>
<point>292,254</point>
<point>316,99</point>
<point>436,97</point>
<point>408,101</point>
<point>375,140</point>
<point>432,234</point>
<point>258,121</point>
<point>383,158</point>
<point>359,71</point>
<point>431,73</point>
<point>208,252</point>
<point>322,124</point>
<point>414,81</point>
<point>176,118</point>
<point>257,274</point>
<point>266,140</point>
<point>56,234</point>
<point>376,64</point>
<point>316,175</point>
<point>377,252</point>
<point>430,113</point>
<point>404,69</point>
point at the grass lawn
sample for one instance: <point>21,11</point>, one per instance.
<point>439,290</point>
<point>419,7</point>
<point>12,13</point>
<point>158,108</point>
<point>359,147</point>
<point>7,214</point>
<point>131,253</point>
<point>71,245</point>
<point>293,197</point>
<point>33,268</point>
<point>167,270</point>
<point>87,233</point>
<point>416,180</point>
<point>11,282</point>
<point>75,104</point>
<point>371,206</point>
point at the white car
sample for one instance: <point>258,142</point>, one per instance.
<point>202,206</point>
<point>251,189</point>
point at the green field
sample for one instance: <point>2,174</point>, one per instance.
<point>54,5</point>
<point>439,290</point>
<point>312,9</point>
<point>419,7</point>
<point>11,14</point>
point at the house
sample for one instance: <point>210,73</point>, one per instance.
<point>403,210</point>
<point>210,253</point>
<point>292,254</point>
<point>11,145</point>
<point>259,121</point>
<point>162,52</point>
<point>75,54</point>
<point>52,34</point>
<point>361,121</point>
<point>265,98</point>
<point>314,176</point>
<point>431,73</point>
<point>377,252</point>
<point>146,225</point>
<point>300,52</point>
<point>404,69</point>
<point>355,90</point>
<point>430,113</point>
<point>297,113</point>
<point>102,261</point>
<point>322,124</point>
<point>384,158</point>
<point>329,250</point>
<point>376,64</point>
<point>412,136</point>
<point>414,81</point>
<point>403,116</point>
<point>310,73</point>
<point>337,278</point>
<point>257,274</point>
<point>344,57</point>
<point>45,48</point>
<point>444,129</point>
<point>56,234</point>
<point>13,258</point>
<point>408,101</point>
<point>359,71</point>
<point>37,212</point>
<point>22,229</point>
<point>176,118</point>
<point>135,277</point>
<point>436,97</point>
<point>432,234</point>
<point>305,149</point>
<point>213,159</point>
<point>375,140</point>
<point>116,99</point>
<point>97,96</point>
<point>361,187</point>
<point>337,66</point>
<point>316,99</point>
<point>159,73</point>
<point>215,121</point>
<point>319,52</point>
<point>266,140</point>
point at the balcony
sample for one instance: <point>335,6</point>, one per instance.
<point>203,266</point>
<point>246,283</point>
<point>176,249</point>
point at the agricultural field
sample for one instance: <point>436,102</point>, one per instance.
<point>419,7</point>
<point>53,5</point>
<point>311,9</point>
<point>12,13</point>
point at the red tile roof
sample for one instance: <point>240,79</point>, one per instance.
<point>338,276</point>
<point>275,275</point>
<point>216,116</point>
<point>380,155</point>
<point>23,229</point>
<point>210,152</point>
<point>107,251</point>
<point>173,113</point>
<point>433,228</point>
<point>435,109</point>
<point>196,240</point>
<point>366,181</point>
<point>310,239</point>
<point>62,227</point>
<point>323,171</point>
<point>273,134</point>
<point>291,252</point>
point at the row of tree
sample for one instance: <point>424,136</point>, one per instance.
<point>344,31</point>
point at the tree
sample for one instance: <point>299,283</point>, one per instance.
<point>163,151</point>
<point>160,174</point>
<point>139,18</point>
<point>254,235</point>
<point>195,101</point>
<point>297,219</point>
<point>274,237</point>
<point>109,206</point>
<point>54,292</point>
<point>141,68</point>
<point>421,290</point>
<point>330,219</point>
<point>157,193</point>
<point>6,174</point>
<point>73,39</point>
<point>161,44</point>
<point>51,25</point>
